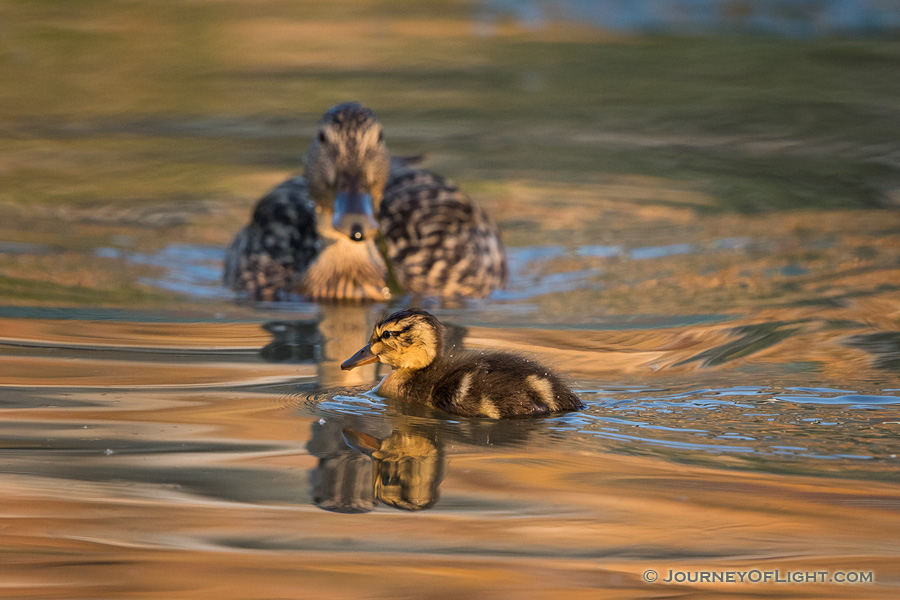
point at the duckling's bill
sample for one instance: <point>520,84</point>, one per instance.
<point>363,357</point>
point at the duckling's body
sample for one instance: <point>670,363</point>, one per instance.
<point>315,235</point>
<point>473,384</point>
<point>494,385</point>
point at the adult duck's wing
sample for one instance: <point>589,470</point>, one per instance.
<point>437,241</point>
<point>267,256</point>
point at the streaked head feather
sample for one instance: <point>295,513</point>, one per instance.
<point>408,339</point>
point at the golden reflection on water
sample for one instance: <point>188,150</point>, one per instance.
<point>544,521</point>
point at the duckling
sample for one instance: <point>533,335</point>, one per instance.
<point>316,235</point>
<point>486,384</point>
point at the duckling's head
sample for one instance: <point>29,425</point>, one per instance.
<point>347,168</point>
<point>408,340</point>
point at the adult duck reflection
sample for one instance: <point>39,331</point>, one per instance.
<point>338,331</point>
<point>342,480</point>
<point>341,326</point>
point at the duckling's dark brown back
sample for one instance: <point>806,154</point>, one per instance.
<point>499,385</point>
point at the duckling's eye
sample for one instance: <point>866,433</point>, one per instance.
<point>386,335</point>
<point>381,135</point>
<point>322,138</point>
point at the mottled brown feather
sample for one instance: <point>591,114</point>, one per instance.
<point>437,242</point>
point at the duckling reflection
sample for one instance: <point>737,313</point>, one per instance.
<point>402,469</point>
<point>407,467</point>
<point>485,384</point>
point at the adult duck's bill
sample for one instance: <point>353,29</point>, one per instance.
<point>363,357</point>
<point>354,216</point>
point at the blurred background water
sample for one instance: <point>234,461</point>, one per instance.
<point>700,202</point>
<point>788,18</point>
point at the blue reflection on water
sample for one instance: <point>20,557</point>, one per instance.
<point>715,421</point>
<point>662,251</point>
<point>195,270</point>
<point>780,17</point>
<point>851,399</point>
<point>187,269</point>
<point>354,405</point>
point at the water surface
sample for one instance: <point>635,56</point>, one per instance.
<point>703,237</point>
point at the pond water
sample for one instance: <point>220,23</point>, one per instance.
<point>704,237</point>
<point>793,19</point>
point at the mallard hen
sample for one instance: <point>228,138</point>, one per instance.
<point>316,235</point>
<point>472,384</point>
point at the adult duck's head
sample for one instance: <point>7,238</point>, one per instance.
<point>346,169</point>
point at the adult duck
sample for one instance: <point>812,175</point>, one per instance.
<point>356,216</point>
